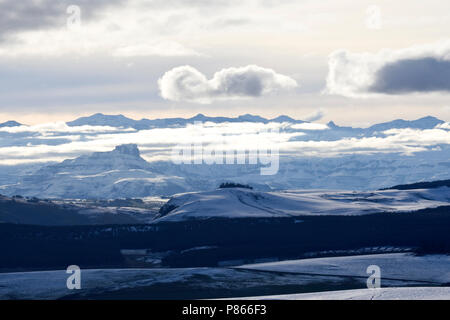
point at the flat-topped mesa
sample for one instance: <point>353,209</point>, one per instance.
<point>129,149</point>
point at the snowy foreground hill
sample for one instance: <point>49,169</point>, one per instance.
<point>403,276</point>
<point>245,203</point>
<point>227,203</point>
<point>428,270</point>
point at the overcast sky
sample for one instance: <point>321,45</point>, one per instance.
<point>353,62</point>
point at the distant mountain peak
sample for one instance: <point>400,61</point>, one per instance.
<point>331,124</point>
<point>128,149</point>
<point>100,119</point>
<point>105,116</point>
<point>10,124</point>
<point>251,117</point>
<point>429,118</point>
<point>428,122</point>
<point>199,116</point>
<point>283,118</point>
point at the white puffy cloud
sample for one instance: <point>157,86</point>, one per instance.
<point>424,68</point>
<point>186,83</point>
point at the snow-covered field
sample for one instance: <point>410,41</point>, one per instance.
<point>52,284</point>
<point>249,280</point>
<point>400,266</point>
<point>417,293</point>
<point>238,203</point>
<point>432,269</point>
<point>149,283</point>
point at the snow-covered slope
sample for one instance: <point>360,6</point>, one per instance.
<point>431,269</point>
<point>218,282</point>
<point>428,270</point>
<point>414,293</point>
<point>238,202</point>
<point>119,173</point>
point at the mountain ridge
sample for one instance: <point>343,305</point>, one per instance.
<point>100,119</point>
<point>122,121</point>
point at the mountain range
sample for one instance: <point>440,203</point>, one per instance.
<point>124,173</point>
<point>118,121</point>
<point>100,119</point>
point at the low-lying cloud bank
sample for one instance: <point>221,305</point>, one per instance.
<point>157,144</point>
<point>186,83</point>
<point>424,69</point>
<point>56,128</point>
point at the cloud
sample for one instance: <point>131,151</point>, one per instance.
<point>310,126</point>
<point>413,75</point>
<point>60,128</point>
<point>17,16</point>
<point>315,116</point>
<point>119,28</point>
<point>162,48</point>
<point>445,125</point>
<point>424,68</point>
<point>186,83</point>
<point>156,144</point>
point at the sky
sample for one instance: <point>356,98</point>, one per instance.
<point>354,62</point>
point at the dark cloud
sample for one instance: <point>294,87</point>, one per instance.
<point>421,68</point>
<point>16,16</point>
<point>413,75</point>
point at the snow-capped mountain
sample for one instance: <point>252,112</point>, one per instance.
<point>120,173</point>
<point>245,203</point>
<point>312,156</point>
<point>124,173</point>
